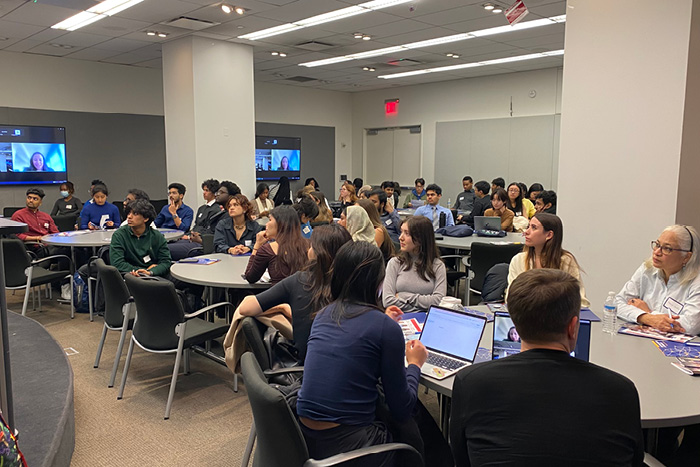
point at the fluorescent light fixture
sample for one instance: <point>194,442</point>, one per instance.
<point>323,18</point>
<point>551,53</point>
<point>95,13</point>
<point>439,40</point>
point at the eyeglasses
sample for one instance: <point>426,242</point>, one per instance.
<point>667,250</point>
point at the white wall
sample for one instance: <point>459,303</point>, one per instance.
<point>467,99</point>
<point>621,132</point>
<point>52,83</point>
<point>296,105</point>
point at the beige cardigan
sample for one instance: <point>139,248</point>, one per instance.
<point>518,266</point>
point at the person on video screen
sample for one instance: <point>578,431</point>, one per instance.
<point>284,163</point>
<point>513,335</point>
<point>38,164</point>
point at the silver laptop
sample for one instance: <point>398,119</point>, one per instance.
<point>487,223</point>
<point>452,338</point>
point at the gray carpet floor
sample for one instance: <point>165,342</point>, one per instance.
<point>209,422</point>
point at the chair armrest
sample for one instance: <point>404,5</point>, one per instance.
<point>193,249</point>
<point>207,308</point>
<point>48,258</point>
<point>284,371</point>
<point>451,256</point>
<point>651,461</point>
<point>362,452</point>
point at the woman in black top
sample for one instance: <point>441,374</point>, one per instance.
<point>306,291</point>
<point>235,235</point>
<point>67,204</point>
<point>281,193</point>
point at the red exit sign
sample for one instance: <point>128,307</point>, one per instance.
<point>391,107</point>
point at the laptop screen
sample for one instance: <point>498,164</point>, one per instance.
<point>453,332</point>
<point>506,340</point>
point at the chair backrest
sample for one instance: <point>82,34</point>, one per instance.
<point>8,211</point>
<point>116,293</point>
<point>65,223</point>
<point>207,244</point>
<point>253,331</point>
<point>158,311</point>
<point>16,261</point>
<point>280,442</point>
<point>120,207</point>
<point>486,255</point>
<point>158,204</point>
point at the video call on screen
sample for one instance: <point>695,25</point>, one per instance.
<point>276,157</point>
<point>32,154</point>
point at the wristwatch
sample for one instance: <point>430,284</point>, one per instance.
<point>175,216</point>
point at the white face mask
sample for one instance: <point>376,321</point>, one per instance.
<point>65,194</point>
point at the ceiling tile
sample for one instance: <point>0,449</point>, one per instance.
<point>422,35</point>
<point>7,6</point>
<point>156,63</point>
<point>115,26</point>
<point>92,54</point>
<point>248,24</point>
<point>302,9</point>
<point>456,15</point>
<point>124,59</point>
<point>155,11</point>
<point>78,39</point>
<point>122,45</point>
<point>39,14</point>
<point>23,45</point>
<point>46,49</point>
<point>17,30</point>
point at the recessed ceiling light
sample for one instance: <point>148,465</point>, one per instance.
<point>151,33</point>
<point>274,53</point>
<point>239,10</point>
<point>357,35</point>
<point>62,46</point>
<point>449,55</point>
<point>366,38</point>
<point>282,54</point>
<point>497,9</point>
<point>438,41</point>
<point>3,38</point>
<point>162,34</point>
<point>365,68</point>
<point>455,56</point>
<point>371,69</point>
<point>488,6</point>
<point>226,8</point>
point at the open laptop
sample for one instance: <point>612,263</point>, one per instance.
<point>506,340</point>
<point>487,223</point>
<point>452,338</point>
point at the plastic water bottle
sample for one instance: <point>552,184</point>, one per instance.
<point>449,203</point>
<point>610,314</point>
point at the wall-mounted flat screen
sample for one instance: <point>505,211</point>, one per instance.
<point>31,155</point>
<point>276,157</point>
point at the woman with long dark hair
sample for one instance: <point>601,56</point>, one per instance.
<point>416,279</point>
<point>281,193</point>
<point>307,291</point>
<point>263,203</point>
<point>353,345</point>
<point>543,249</point>
<point>518,203</point>
<point>283,257</point>
<point>499,208</point>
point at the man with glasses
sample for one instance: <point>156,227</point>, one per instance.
<point>417,194</point>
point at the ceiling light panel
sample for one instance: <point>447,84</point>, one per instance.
<point>438,41</point>
<point>95,13</point>
<point>323,18</point>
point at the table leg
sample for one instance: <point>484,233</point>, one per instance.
<point>445,405</point>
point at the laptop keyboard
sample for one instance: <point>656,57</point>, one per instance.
<point>441,361</point>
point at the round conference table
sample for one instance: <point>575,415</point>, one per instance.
<point>95,238</point>
<point>668,397</point>
<point>226,273</point>
<point>465,243</point>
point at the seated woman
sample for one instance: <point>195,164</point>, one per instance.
<point>307,291</point>
<point>99,214</point>
<point>381,235</point>
<point>356,220</point>
<point>353,340</point>
<point>664,291</point>
<point>236,233</point>
<point>281,193</point>
<point>307,209</point>
<point>347,194</point>
<point>324,212</point>
<point>67,204</point>
<point>517,202</point>
<point>312,181</point>
<point>534,190</point>
<point>543,240</point>
<point>285,255</point>
<point>416,279</point>
<point>263,203</point>
<point>499,209</point>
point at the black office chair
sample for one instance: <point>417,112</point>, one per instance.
<point>21,272</point>
<point>8,211</point>
<point>453,275</point>
<point>158,204</point>
<point>161,326</point>
<point>483,257</point>
<point>120,207</point>
<point>119,311</point>
<point>280,441</point>
<point>65,223</point>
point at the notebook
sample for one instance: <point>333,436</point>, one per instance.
<point>487,223</point>
<point>452,339</point>
<point>506,340</point>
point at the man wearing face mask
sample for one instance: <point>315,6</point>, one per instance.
<point>67,204</point>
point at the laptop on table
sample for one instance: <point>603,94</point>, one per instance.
<point>506,340</point>
<point>452,338</point>
<point>487,223</point>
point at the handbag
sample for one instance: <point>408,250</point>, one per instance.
<point>282,355</point>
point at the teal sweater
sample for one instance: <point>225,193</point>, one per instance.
<point>127,252</point>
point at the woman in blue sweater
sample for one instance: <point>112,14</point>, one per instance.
<point>98,213</point>
<point>353,345</point>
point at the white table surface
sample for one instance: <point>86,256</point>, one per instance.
<point>226,273</point>
<point>465,243</point>
<point>668,396</point>
<point>94,238</point>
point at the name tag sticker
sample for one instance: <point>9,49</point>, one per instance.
<point>306,229</point>
<point>248,243</point>
<point>69,206</point>
<point>147,259</point>
<point>673,305</point>
<point>388,222</point>
<point>200,214</point>
<point>46,225</point>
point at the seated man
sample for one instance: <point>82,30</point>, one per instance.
<point>497,183</point>
<point>542,406</point>
<point>132,195</point>
<point>482,202</point>
<point>137,249</point>
<point>433,210</point>
<point>388,187</point>
<point>391,220</point>
<point>176,214</point>
<point>417,194</point>
<point>465,200</point>
<point>546,201</point>
<point>38,223</point>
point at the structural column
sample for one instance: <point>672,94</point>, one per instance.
<point>628,162</point>
<point>209,114</point>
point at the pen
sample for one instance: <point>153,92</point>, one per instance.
<point>670,316</point>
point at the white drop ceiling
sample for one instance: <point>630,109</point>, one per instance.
<point>25,27</point>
